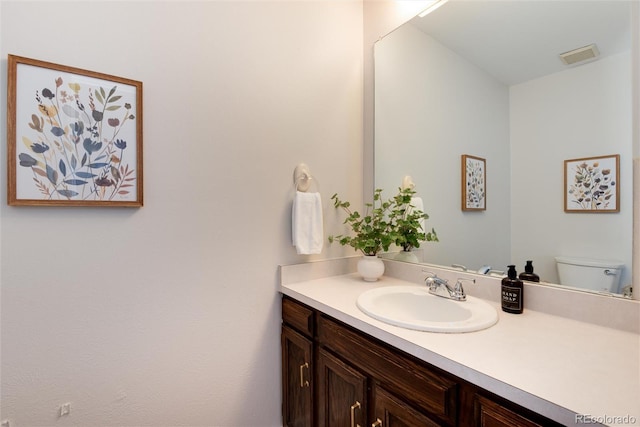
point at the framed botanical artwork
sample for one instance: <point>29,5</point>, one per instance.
<point>474,187</point>
<point>591,184</point>
<point>74,136</point>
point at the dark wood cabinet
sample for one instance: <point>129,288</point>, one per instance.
<point>342,393</point>
<point>337,376</point>
<point>297,371</point>
<point>297,365</point>
<point>411,380</point>
<point>490,413</point>
<point>393,412</point>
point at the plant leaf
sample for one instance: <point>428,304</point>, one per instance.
<point>62,167</point>
<point>98,165</point>
<point>70,111</point>
<point>114,108</point>
<point>87,175</point>
<point>68,193</point>
<point>116,175</point>
<point>75,181</point>
<point>27,142</point>
<point>39,172</point>
<point>52,175</point>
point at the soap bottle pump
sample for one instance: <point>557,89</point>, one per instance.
<point>528,273</point>
<point>512,292</point>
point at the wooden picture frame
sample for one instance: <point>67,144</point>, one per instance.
<point>474,187</point>
<point>74,137</point>
<point>592,184</point>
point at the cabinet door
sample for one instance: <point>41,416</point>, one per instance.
<point>390,411</point>
<point>341,393</point>
<point>423,387</point>
<point>493,414</point>
<point>297,390</point>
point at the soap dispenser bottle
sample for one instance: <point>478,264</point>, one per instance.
<point>512,292</point>
<point>528,273</point>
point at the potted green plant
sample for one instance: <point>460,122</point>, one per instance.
<point>407,222</point>
<point>372,233</point>
<point>385,222</point>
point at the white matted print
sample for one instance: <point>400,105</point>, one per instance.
<point>74,136</point>
<point>474,187</point>
<point>591,184</point>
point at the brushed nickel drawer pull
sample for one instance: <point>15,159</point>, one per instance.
<point>378,423</point>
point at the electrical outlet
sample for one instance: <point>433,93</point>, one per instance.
<point>65,409</point>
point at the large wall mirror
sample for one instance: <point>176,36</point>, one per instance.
<point>485,79</point>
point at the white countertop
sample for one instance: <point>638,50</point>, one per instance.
<point>555,366</point>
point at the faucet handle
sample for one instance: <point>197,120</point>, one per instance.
<point>430,277</point>
<point>459,290</point>
<point>429,273</point>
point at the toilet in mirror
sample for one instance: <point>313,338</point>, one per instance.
<point>530,88</point>
<point>591,274</point>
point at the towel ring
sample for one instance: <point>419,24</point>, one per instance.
<point>302,178</point>
<point>407,183</point>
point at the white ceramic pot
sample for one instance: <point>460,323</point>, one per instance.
<point>370,267</point>
<point>406,256</point>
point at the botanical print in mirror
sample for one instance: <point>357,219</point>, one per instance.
<point>592,184</point>
<point>474,192</point>
<point>74,136</point>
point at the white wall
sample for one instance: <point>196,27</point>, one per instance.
<point>586,112</point>
<point>432,106</point>
<point>380,18</point>
<point>169,314</point>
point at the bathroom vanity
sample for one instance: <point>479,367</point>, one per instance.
<point>344,368</point>
<point>351,378</point>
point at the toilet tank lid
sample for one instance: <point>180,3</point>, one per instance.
<point>601,263</point>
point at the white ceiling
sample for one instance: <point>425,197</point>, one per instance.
<point>519,40</point>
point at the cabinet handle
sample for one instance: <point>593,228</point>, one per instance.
<point>378,423</point>
<point>353,414</point>
<point>303,383</point>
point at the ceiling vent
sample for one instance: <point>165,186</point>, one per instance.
<point>580,54</point>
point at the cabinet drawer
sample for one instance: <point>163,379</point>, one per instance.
<point>298,316</point>
<point>390,411</point>
<point>491,413</point>
<point>397,372</point>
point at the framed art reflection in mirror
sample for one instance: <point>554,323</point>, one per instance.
<point>592,184</point>
<point>474,183</point>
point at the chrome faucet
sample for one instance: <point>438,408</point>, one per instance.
<point>440,287</point>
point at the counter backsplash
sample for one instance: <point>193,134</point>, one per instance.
<point>608,311</point>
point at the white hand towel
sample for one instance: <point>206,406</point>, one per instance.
<point>306,223</point>
<point>417,204</point>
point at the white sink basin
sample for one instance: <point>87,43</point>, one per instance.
<point>413,307</point>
